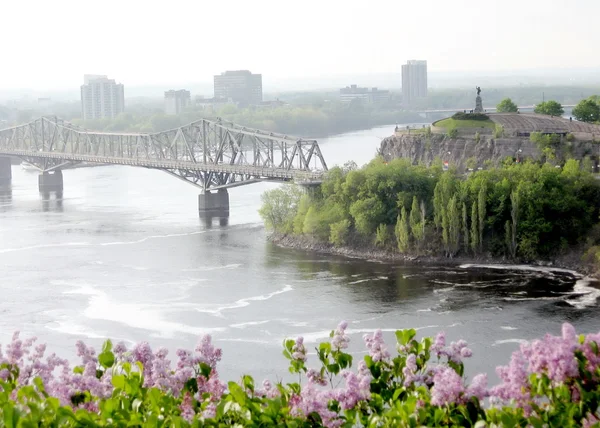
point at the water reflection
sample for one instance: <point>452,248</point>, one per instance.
<point>441,289</point>
<point>52,201</point>
<point>5,197</point>
<point>210,219</point>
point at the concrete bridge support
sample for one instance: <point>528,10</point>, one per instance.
<point>216,203</point>
<point>51,181</point>
<point>5,171</point>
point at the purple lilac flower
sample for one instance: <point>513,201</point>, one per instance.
<point>316,377</point>
<point>377,347</point>
<point>478,387</point>
<point>590,421</point>
<point>447,388</point>
<point>187,408</point>
<point>340,339</point>
<point>298,350</point>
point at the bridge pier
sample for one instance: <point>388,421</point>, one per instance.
<point>5,171</point>
<point>51,181</point>
<point>216,203</point>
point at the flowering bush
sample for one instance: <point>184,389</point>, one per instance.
<point>549,382</point>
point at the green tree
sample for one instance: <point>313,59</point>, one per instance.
<point>474,228</point>
<point>339,232</point>
<point>465,226</point>
<point>587,111</point>
<point>551,108</point>
<point>515,200</point>
<point>279,208</point>
<point>481,206</point>
<point>402,231</point>
<point>506,106</point>
<point>303,206</point>
<point>416,221</point>
<point>454,222</point>
<point>381,235</point>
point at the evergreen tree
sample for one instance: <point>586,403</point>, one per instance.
<point>453,214</point>
<point>403,232</point>
<point>465,226</point>
<point>515,200</point>
<point>481,206</point>
<point>445,230</point>
<point>416,227</point>
<point>438,205</point>
<point>474,228</point>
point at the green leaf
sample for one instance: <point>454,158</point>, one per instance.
<point>237,393</point>
<point>192,385</point>
<point>205,370</point>
<point>325,346</point>
<point>118,381</point>
<point>78,369</point>
<point>107,346</point>
<point>106,358</point>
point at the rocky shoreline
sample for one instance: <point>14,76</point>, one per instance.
<point>571,261</point>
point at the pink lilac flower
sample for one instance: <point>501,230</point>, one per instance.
<point>187,408</point>
<point>340,340</point>
<point>298,350</point>
<point>315,377</point>
<point>447,388</point>
<point>208,353</point>
<point>590,421</point>
<point>515,382</point>
<point>376,346</point>
<point>478,387</point>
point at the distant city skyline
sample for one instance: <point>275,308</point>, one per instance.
<point>499,35</point>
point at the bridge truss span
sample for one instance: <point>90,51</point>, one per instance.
<point>209,153</point>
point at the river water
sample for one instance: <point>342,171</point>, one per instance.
<point>125,256</point>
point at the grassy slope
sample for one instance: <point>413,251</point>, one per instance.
<point>450,123</point>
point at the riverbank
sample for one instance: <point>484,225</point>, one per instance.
<point>571,261</point>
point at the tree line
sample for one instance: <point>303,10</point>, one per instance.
<point>525,211</point>
<point>587,110</point>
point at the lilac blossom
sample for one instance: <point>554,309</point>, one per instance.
<point>340,339</point>
<point>447,388</point>
<point>376,346</point>
<point>298,350</point>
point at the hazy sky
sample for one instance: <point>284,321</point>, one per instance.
<point>51,44</point>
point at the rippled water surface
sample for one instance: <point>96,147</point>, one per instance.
<point>124,255</point>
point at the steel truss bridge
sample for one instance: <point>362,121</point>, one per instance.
<point>210,153</point>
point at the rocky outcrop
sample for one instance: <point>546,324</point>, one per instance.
<point>420,148</point>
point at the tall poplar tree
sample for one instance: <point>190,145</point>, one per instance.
<point>402,231</point>
<point>474,228</point>
<point>481,206</point>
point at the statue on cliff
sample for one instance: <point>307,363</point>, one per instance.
<point>478,102</point>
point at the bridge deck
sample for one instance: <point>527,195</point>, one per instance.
<point>256,171</point>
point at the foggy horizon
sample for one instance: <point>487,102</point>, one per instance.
<point>187,42</point>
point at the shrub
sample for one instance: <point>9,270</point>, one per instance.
<point>553,381</point>
<point>452,132</point>
<point>470,116</point>
<point>339,232</point>
<point>499,131</point>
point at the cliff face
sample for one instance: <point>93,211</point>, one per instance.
<point>422,149</point>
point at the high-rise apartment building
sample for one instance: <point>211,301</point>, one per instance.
<point>176,101</point>
<point>239,86</point>
<point>414,81</point>
<point>101,97</point>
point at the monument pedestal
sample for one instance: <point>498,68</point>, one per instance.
<point>478,105</point>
